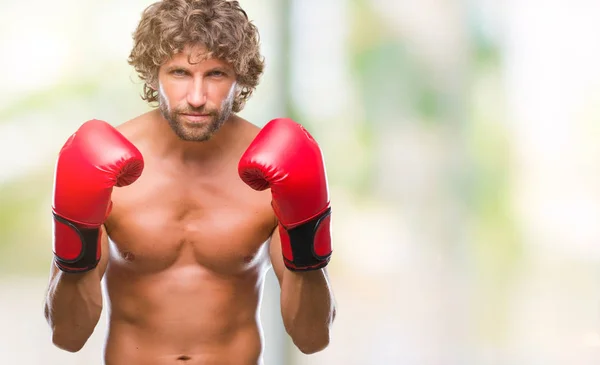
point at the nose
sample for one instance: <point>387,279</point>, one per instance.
<point>196,95</point>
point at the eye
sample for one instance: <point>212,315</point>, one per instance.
<point>179,72</point>
<point>217,73</point>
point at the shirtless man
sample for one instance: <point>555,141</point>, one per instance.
<point>198,204</point>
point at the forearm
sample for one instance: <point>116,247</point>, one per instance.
<point>73,308</point>
<point>308,308</point>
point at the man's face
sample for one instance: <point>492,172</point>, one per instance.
<point>195,98</point>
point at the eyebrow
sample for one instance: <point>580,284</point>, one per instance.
<point>223,69</point>
<point>176,67</point>
<point>220,68</point>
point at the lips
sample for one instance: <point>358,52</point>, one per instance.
<point>196,118</point>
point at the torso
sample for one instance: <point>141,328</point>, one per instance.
<point>188,253</point>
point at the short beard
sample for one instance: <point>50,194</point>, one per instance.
<point>195,133</point>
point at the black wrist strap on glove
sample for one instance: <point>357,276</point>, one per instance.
<point>302,241</point>
<point>87,259</point>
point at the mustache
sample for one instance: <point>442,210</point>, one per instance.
<point>201,110</point>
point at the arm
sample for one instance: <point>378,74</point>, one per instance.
<point>285,158</point>
<point>74,303</point>
<point>93,160</point>
<point>307,304</point>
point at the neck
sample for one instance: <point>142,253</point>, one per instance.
<point>169,145</point>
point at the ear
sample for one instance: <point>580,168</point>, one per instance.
<point>152,81</point>
<point>238,89</point>
<point>153,85</point>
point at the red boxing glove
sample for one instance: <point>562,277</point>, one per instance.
<point>285,158</point>
<point>92,161</point>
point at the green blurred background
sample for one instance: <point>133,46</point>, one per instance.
<point>461,142</point>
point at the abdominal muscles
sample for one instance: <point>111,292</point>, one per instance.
<point>183,315</point>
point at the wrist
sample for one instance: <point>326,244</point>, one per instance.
<point>75,269</point>
<point>307,247</point>
<point>76,249</point>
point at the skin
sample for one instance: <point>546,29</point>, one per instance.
<point>186,247</point>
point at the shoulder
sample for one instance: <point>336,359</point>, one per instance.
<point>247,130</point>
<point>136,129</point>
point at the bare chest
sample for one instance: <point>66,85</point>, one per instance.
<point>222,226</point>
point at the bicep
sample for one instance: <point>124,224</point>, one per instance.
<point>275,254</point>
<point>104,253</point>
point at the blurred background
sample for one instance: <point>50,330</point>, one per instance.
<point>462,146</point>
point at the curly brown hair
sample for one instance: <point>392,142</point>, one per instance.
<point>221,26</point>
